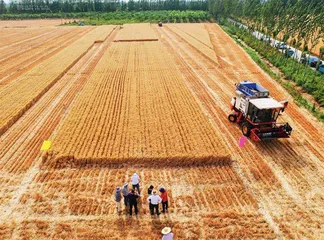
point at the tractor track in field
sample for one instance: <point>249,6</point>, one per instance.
<point>20,146</point>
<point>195,77</point>
<point>278,172</point>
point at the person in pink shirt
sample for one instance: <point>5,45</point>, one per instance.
<point>164,196</point>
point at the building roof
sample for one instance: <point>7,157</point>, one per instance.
<point>266,103</point>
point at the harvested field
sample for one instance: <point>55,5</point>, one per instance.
<point>32,23</point>
<point>76,197</point>
<point>282,173</point>
<point>136,32</point>
<point>115,101</point>
<point>196,36</point>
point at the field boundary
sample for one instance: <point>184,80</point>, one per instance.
<point>49,160</point>
<point>137,40</point>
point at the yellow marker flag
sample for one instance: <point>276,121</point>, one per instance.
<point>46,145</point>
<point>162,36</point>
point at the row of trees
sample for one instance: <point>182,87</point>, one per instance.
<point>119,17</point>
<point>299,21</point>
<point>2,7</point>
<point>69,6</point>
<point>311,81</point>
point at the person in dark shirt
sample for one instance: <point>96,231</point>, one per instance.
<point>132,200</point>
<point>149,190</point>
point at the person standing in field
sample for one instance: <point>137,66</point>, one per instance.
<point>118,198</point>
<point>132,200</point>
<point>154,200</point>
<point>167,234</point>
<point>164,197</point>
<point>135,182</point>
<point>149,192</point>
<point>125,192</point>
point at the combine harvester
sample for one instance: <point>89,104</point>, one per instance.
<point>257,112</point>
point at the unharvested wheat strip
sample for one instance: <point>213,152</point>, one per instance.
<point>123,102</point>
<point>106,88</point>
<point>105,124</point>
<point>20,63</point>
<point>109,133</point>
<point>117,95</point>
<point>123,147</point>
<point>87,118</point>
<point>141,31</point>
<point>22,94</point>
<point>14,50</point>
<point>24,36</point>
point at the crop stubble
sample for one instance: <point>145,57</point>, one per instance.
<point>19,146</point>
<point>136,113</point>
<point>285,175</point>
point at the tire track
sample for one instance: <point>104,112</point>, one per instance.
<point>220,91</point>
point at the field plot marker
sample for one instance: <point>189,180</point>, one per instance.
<point>242,141</point>
<point>46,145</point>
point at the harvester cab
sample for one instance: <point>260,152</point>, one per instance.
<point>257,112</point>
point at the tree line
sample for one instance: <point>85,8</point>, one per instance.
<point>299,21</point>
<point>74,6</point>
<point>311,81</point>
<point>117,17</point>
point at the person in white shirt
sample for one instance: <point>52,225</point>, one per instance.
<point>154,200</point>
<point>167,234</point>
<point>135,182</point>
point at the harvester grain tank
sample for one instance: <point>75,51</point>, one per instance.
<point>257,112</point>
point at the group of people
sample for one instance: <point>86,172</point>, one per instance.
<point>154,200</point>
<point>131,197</point>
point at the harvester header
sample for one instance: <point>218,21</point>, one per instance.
<point>257,112</point>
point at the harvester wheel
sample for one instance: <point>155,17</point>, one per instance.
<point>232,117</point>
<point>246,129</point>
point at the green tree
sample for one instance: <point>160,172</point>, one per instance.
<point>2,7</point>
